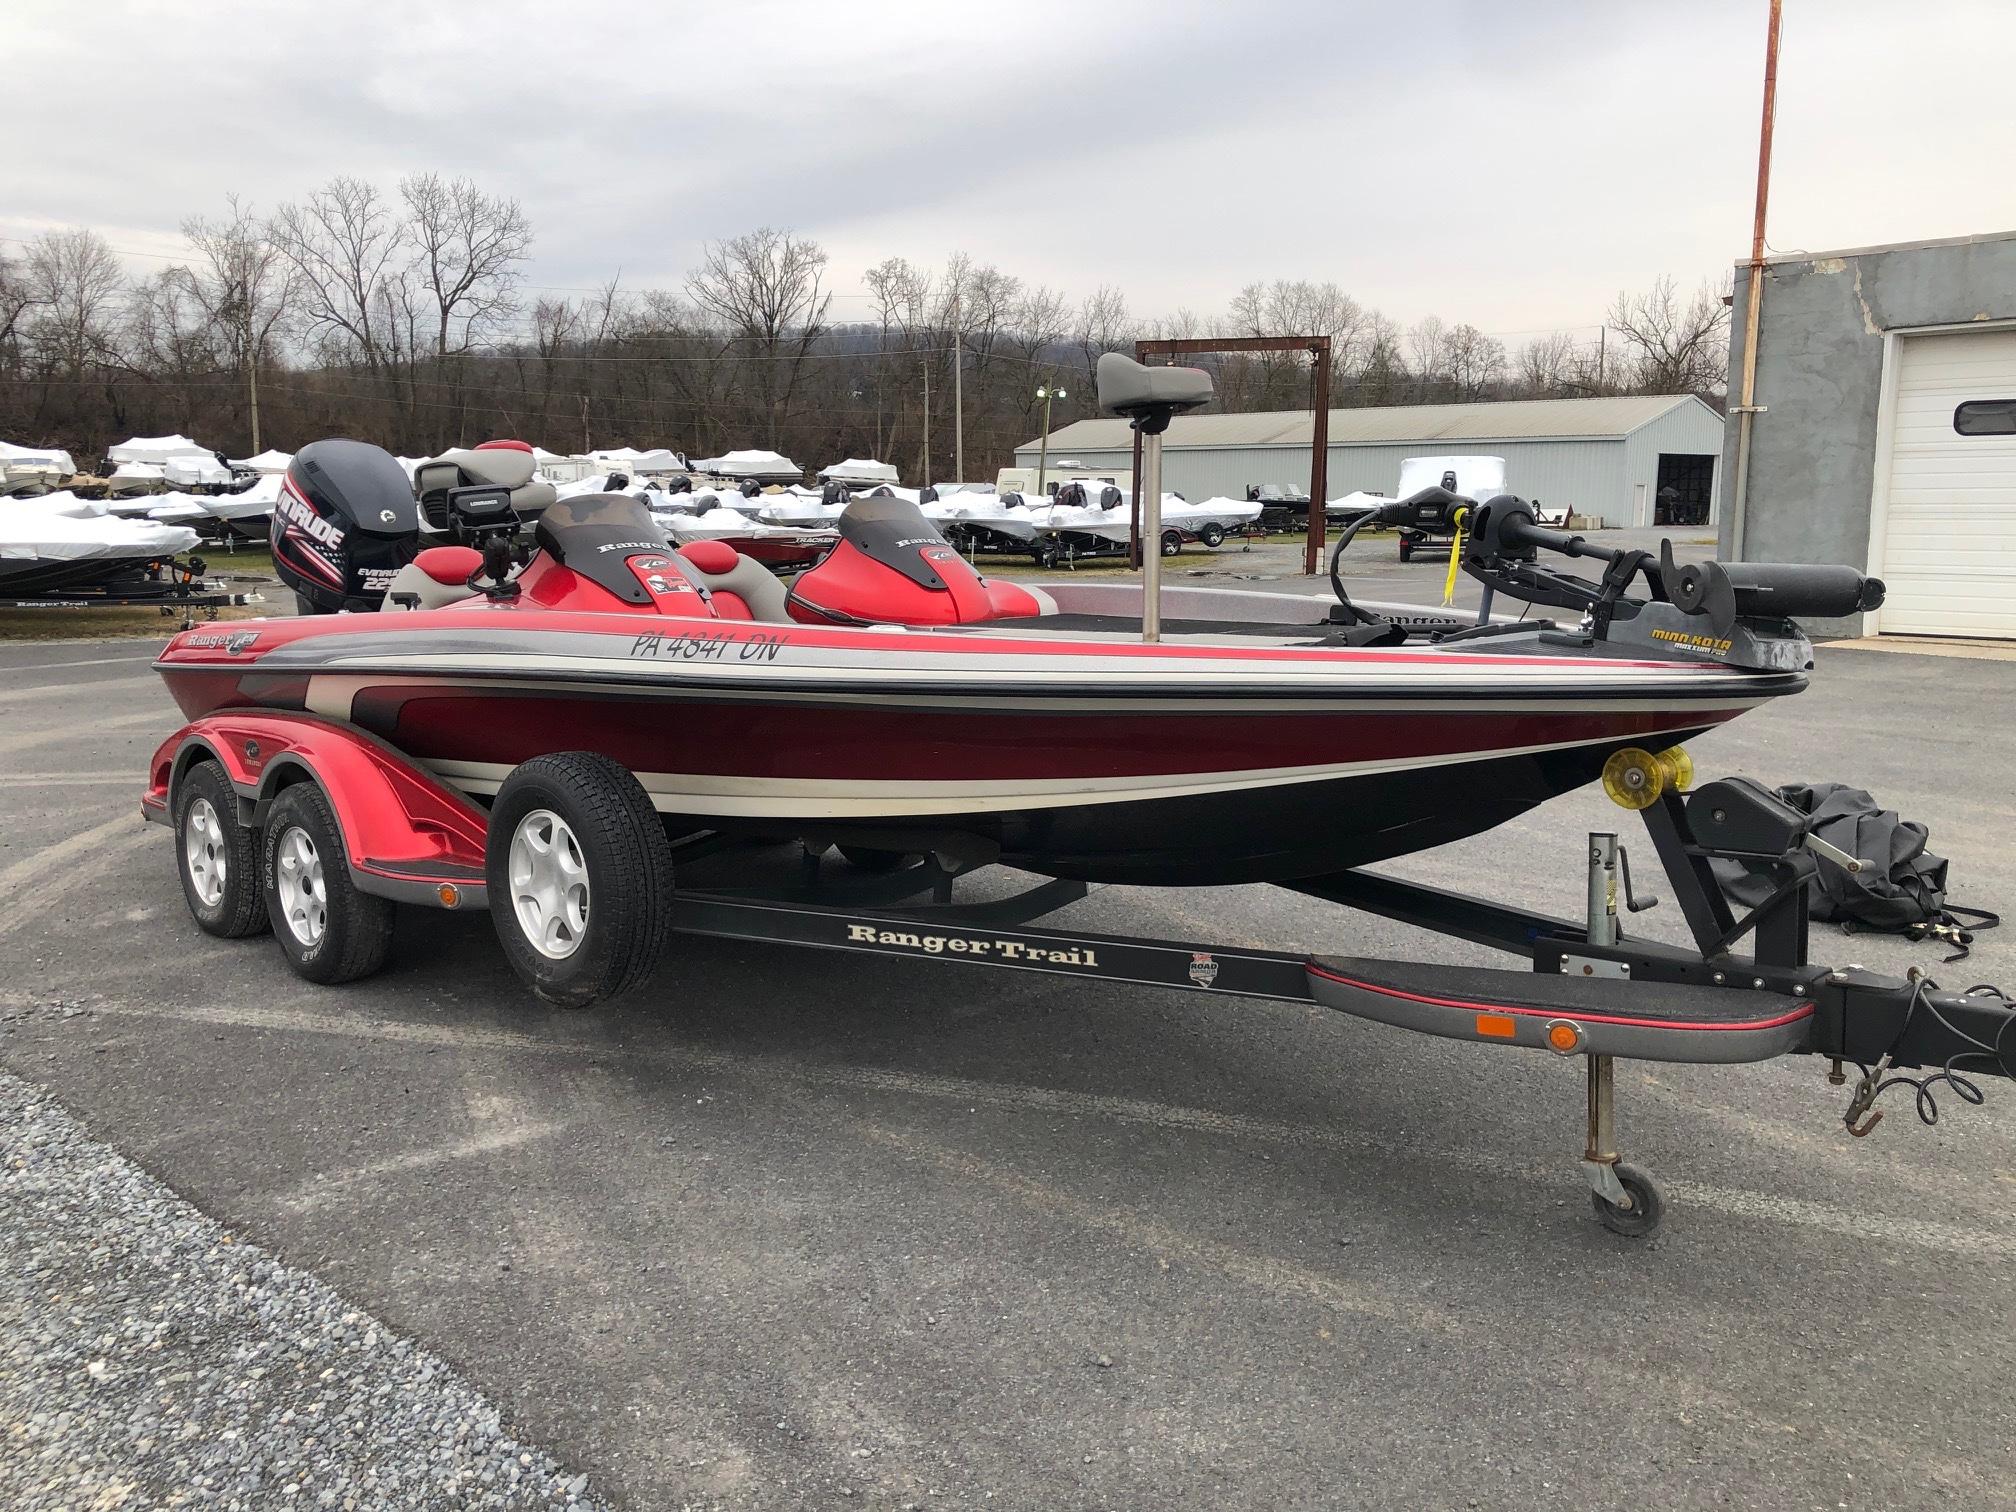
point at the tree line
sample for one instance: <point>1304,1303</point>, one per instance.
<point>406,317</point>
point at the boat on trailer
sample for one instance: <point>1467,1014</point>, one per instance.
<point>562,739</point>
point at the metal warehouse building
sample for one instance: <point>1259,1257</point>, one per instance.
<point>1886,432</point>
<point>1604,458</point>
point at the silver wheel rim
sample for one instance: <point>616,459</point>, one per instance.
<point>549,884</point>
<point>205,853</point>
<point>297,878</point>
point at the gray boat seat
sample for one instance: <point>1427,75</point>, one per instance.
<point>1127,387</point>
<point>502,466</point>
<point>722,569</point>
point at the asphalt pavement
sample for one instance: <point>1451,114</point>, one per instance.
<point>789,1229</point>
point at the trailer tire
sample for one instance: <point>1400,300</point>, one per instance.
<point>580,878</point>
<point>216,856</point>
<point>1172,543</point>
<point>1212,534</point>
<point>1044,556</point>
<point>329,930</point>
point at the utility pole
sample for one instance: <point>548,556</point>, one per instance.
<point>1602,340</point>
<point>958,398</point>
<point>925,480</point>
<point>586,447</point>
<point>252,387</point>
<point>1747,409</point>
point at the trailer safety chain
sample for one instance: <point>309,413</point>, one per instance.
<point>1862,1115</point>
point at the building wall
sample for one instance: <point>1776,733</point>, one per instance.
<point>1592,477</point>
<point>1690,430</point>
<point>1820,375</point>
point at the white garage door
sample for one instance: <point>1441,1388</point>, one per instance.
<point>1949,534</point>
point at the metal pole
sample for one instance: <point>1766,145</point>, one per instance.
<point>1319,461</point>
<point>1149,490</point>
<point>1043,444</point>
<point>1746,406</point>
<point>958,398</point>
<point>1134,507</point>
<point>926,479</point>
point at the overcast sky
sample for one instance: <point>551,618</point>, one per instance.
<point>1513,164</point>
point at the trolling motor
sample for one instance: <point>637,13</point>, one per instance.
<point>1701,604</point>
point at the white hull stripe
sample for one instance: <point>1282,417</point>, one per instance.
<point>868,798</point>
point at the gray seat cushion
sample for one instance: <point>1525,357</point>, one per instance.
<point>1127,387</point>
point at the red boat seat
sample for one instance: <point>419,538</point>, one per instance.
<point>449,564</point>
<point>436,578</point>
<point>743,589</point>
<point>892,567</point>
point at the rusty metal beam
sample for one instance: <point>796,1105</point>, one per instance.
<point>1319,438</point>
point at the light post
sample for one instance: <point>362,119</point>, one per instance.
<point>1046,392</point>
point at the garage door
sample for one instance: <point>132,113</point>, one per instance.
<point>1949,535</point>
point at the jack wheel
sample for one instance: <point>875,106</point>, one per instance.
<point>1406,552</point>
<point>1641,1220</point>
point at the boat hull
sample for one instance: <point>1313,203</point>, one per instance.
<point>1167,764</point>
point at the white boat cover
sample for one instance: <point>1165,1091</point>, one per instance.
<point>46,529</point>
<point>268,461</point>
<point>193,471</point>
<point>751,464</point>
<point>1479,478</point>
<point>860,470</point>
<point>158,449</point>
<point>35,459</point>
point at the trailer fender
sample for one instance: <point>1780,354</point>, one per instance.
<point>406,835</point>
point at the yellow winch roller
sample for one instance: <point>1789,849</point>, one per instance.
<point>1634,778</point>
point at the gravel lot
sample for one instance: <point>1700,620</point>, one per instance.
<point>151,1358</point>
<point>791,1230</point>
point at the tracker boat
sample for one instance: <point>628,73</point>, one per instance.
<point>558,736</point>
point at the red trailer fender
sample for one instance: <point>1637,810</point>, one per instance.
<point>407,836</point>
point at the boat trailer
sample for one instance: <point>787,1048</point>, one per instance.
<point>1743,991</point>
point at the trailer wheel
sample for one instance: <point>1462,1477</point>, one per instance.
<point>329,930</point>
<point>1172,543</point>
<point>580,878</point>
<point>1044,556</point>
<point>218,856</point>
<point>1648,1204</point>
<point>1212,535</point>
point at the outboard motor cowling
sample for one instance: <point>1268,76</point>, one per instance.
<point>345,524</point>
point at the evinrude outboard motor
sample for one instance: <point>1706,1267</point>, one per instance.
<point>345,524</point>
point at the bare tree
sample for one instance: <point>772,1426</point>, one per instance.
<point>348,247</point>
<point>1428,355</point>
<point>1547,366</point>
<point>17,298</point>
<point>1475,362</point>
<point>768,288</point>
<point>467,248</point>
<point>1674,348</point>
<point>75,283</point>
<point>245,286</point>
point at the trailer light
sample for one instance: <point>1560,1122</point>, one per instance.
<point>1563,1037</point>
<point>449,894</point>
<point>1497,1025</point>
